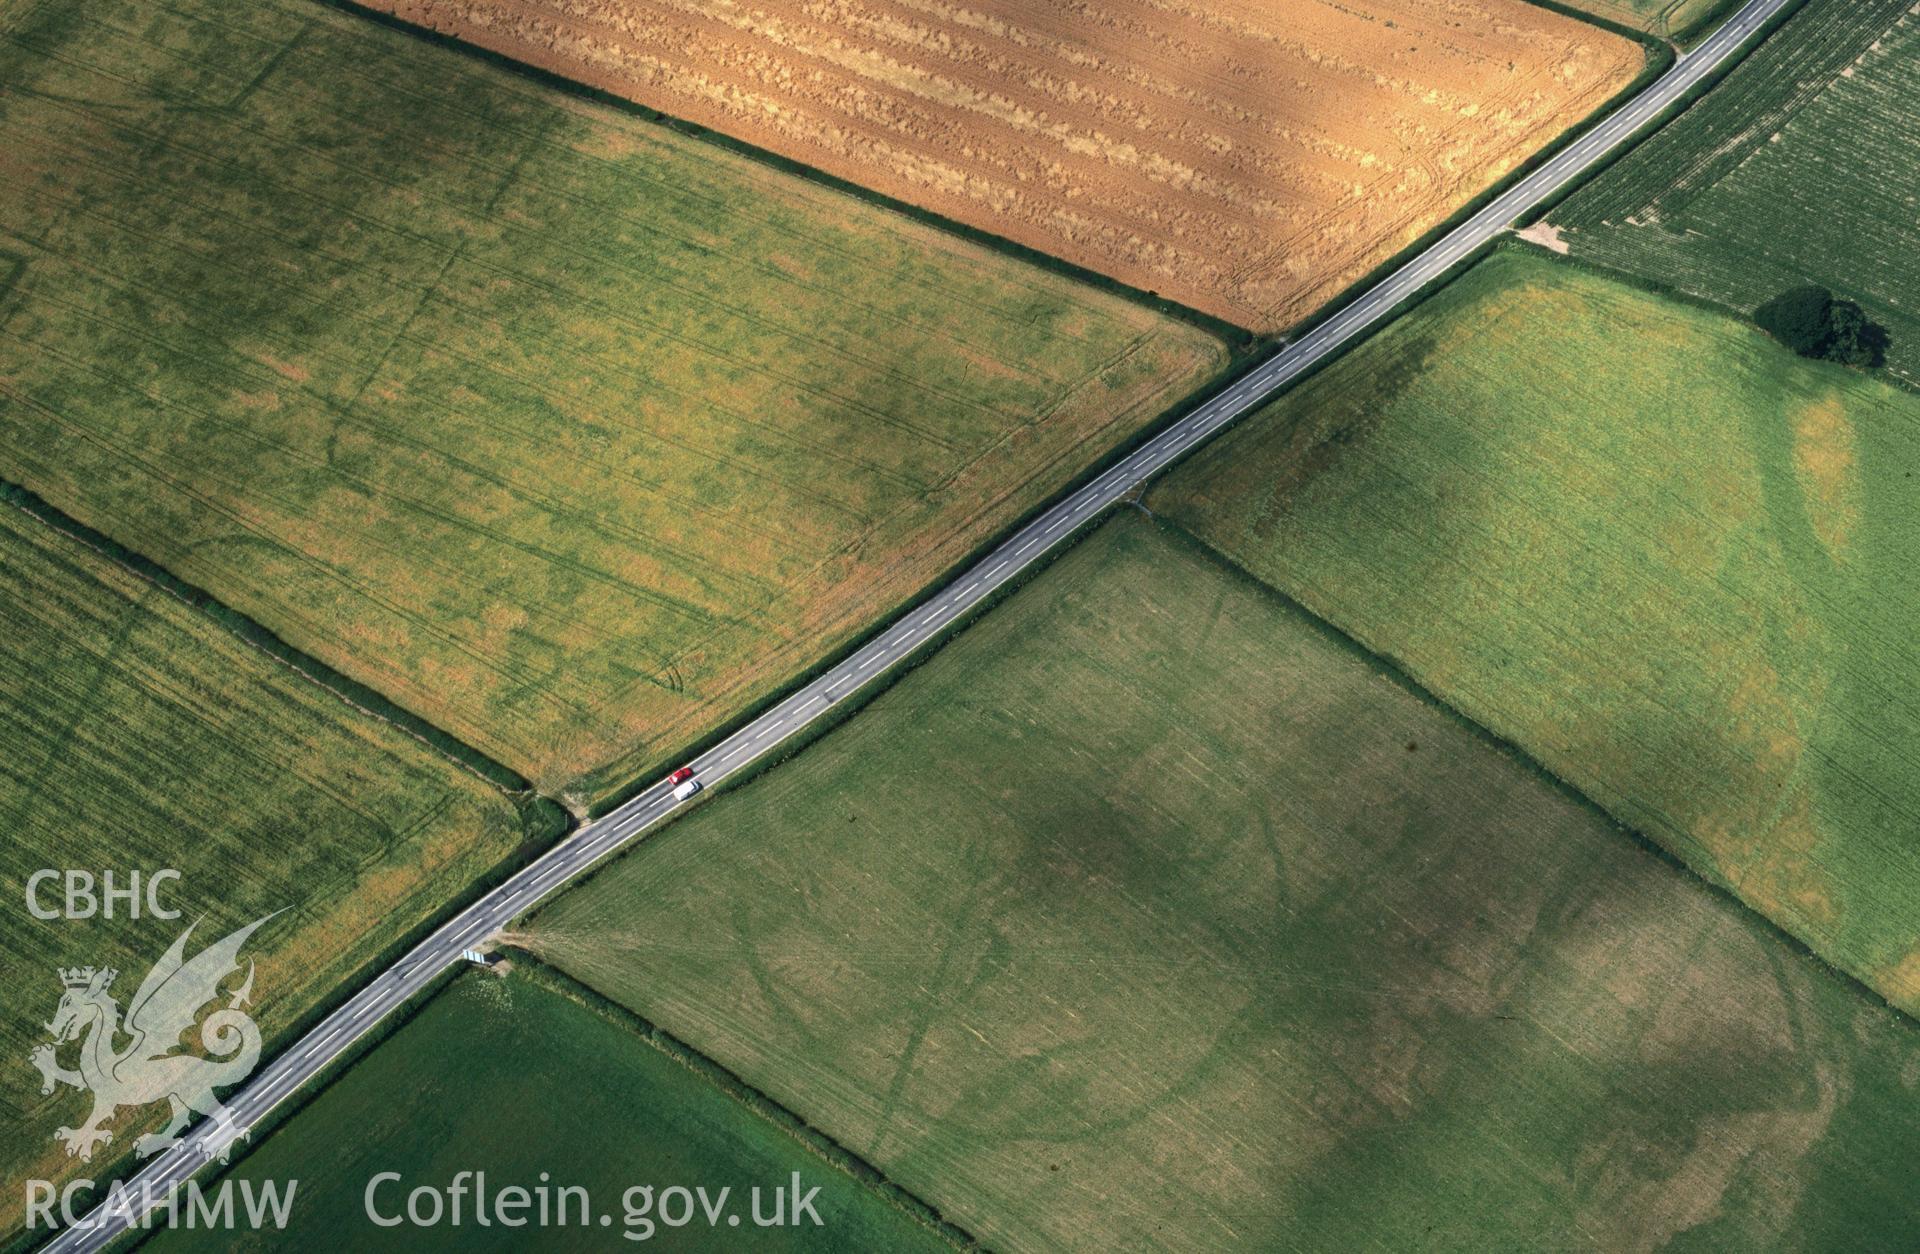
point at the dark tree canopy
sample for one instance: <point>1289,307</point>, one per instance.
<point>1853,339</point>
<point>1812,323</point>
<point>1797,318</point>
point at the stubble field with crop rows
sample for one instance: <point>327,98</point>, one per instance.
<point>1803,166</point>
<point>1246,159</point>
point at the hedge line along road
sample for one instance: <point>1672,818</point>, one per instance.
<point>920,625</point>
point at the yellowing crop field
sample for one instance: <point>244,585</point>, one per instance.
<point>1247,159</point>
<point>141,735</point>
<point>569,433</point>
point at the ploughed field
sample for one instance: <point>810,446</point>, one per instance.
<point>1803,166</point>
<point>1150,911</point>
<point>141,735</point>
<point>569,433</point>
<point>1669,559</point>
<point>1247,159</point>
<point>513,1078</point>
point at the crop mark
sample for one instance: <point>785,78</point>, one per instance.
<point>241,97</point>
<point>505,498</point>
<point>13,268</point>
<point>1108,139</point>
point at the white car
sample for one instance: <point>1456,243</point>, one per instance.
<point>686,790</point>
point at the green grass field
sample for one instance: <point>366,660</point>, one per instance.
<point>569,433</point>
<point>1670,560</point>
<point>1149,914</point>
<point>141,736</point>
<point>505,1075</point>
<point>1803,166</point>
<point>1668,19</point>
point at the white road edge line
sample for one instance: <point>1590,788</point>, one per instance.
<point>589,844</point>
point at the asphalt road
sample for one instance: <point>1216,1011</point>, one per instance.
<point>306,1057</point>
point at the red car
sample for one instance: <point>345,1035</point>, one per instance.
<point>681,776</point>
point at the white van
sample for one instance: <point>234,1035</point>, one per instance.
<point>686,790</point>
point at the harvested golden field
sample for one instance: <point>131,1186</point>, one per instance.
<point>569,434</point>
<point>1249,160</point>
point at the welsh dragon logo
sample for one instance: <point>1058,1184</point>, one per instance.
<point>151,1067</point>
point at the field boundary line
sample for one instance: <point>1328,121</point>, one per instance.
<point>248,631</point>
<point>343,307</point>
<point>756,168</point>
<point>1230,332</point>
<point>1612,26</point>
<point>1391,669</point>
<point>737,1087</point>
<point>1245,358</point>
<point>1681,296</point>
<point>534,494</point>
<point>160,470</point>
<point>648,1035</point>
<point>627,783</point>
<point>873,526</point>
<point>1685,101</point>
<point>794,332</point>
<point>773,729</point>
<point>1660,59</point>
<point>1690,34</point>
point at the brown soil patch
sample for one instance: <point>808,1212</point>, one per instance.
<point>1547,236</point>
<point>1246,159</point>
<point>1823,461</point>
<point>287,370</point>
<point>1900,983</point>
